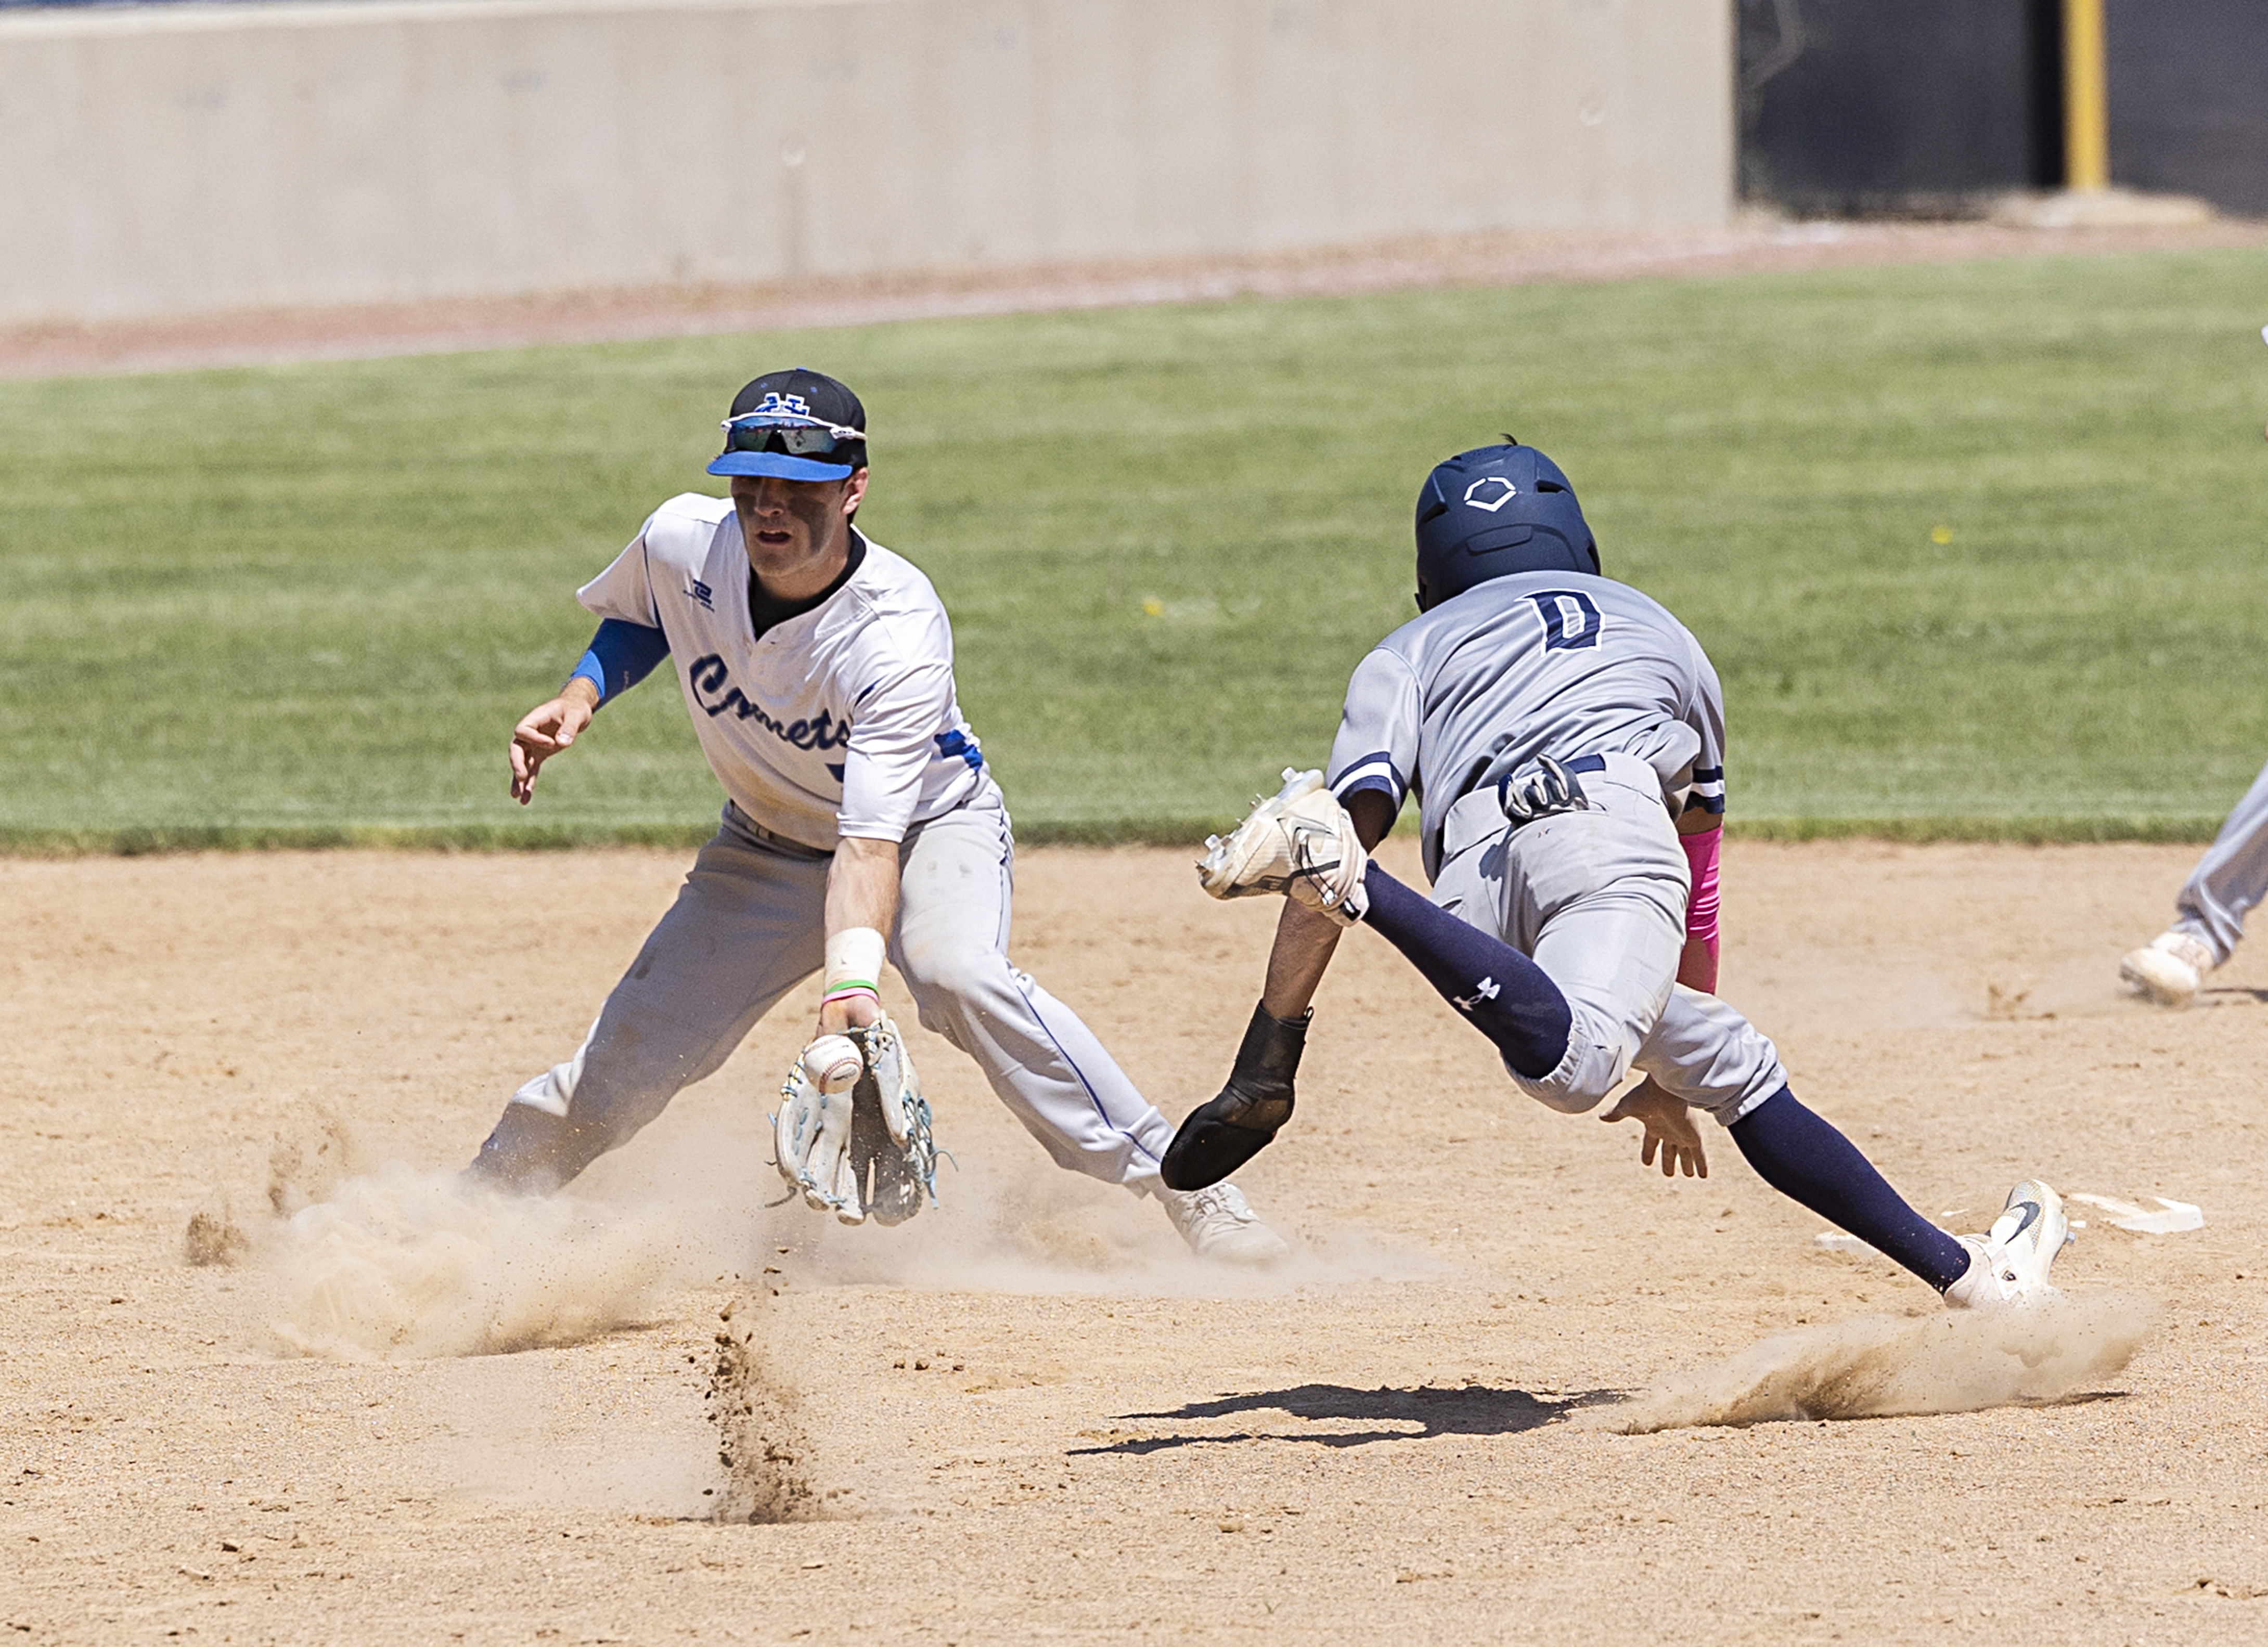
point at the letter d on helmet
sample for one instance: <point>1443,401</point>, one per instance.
<point>1493,511</point>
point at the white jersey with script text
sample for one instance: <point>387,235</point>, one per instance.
<point>842,721</point>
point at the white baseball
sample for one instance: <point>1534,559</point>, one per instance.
<point>834,1063</point>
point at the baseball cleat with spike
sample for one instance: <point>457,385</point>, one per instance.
<point>2008,1264</point>
<point>1300,842</point>
<point>1219,1225</point>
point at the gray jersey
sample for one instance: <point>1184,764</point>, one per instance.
<point>1552,663</point>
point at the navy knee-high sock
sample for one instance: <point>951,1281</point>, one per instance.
<point>1801,1155</point>
<point>1506,995</point>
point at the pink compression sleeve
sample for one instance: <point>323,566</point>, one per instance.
<point>1701,909</point>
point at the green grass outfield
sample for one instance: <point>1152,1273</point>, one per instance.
<point>305,604</point>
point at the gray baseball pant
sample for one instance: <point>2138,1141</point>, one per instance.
<point>2230,879</point>
<point>1596,898</point>
<point>748,926</point>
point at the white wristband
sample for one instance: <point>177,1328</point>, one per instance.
<point>854,962</point>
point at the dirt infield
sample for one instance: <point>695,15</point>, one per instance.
<point>1028,1415</point>
<point>240,337</point>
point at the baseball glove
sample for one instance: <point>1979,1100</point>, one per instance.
<point>853,1131</point>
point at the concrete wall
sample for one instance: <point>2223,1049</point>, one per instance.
<point>173,159</point>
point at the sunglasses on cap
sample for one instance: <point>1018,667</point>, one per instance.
<point>765,432</point>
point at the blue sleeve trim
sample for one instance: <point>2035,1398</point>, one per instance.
<point>1375,771</point>
<point>1378,783</point>
<point>593,671</point>
<point>620,654</point>
<point>958,745</point>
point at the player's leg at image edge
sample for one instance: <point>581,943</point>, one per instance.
<point>1309,849</point>
<point>2209,915</point>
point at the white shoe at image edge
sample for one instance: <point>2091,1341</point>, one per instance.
<point>2169,970</point>
<point>1217,1223</point>
<point>2008,1264</point>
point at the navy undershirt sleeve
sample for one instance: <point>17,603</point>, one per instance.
<point>620,654</point>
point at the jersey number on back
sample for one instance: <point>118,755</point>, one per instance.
<point>1570,620</point>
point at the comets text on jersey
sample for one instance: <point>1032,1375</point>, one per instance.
<point>709,676</point>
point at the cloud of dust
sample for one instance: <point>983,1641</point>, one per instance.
<point>760,1442</point>
<point>307,1164</point>
<point>399,1262</point>
<point>1020,1225</point>
<point>403,1264</point>
<point>1878,1366</point>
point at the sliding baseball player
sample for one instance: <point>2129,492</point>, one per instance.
<point>1565,735</point>
<point>862,821</point>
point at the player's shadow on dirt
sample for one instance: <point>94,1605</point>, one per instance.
<point>1475,1409</point>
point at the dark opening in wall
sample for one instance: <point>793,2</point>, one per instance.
<point>1900,108</point>
<point>2188,99</point>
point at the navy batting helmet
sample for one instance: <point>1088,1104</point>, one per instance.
<point>1493,511</point>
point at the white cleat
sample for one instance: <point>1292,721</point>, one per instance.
<point>2008,1264</point>
<point>1300,842</point>
<point>1219,1225</point>
<point>2170,971</point>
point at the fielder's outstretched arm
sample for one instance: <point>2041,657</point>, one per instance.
<point>619,657</point>
<point>546,730</point>
<point>862,906</point>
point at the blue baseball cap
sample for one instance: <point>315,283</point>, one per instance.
<point>799,426</point>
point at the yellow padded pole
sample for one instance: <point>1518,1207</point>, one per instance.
<point>2086,98</point>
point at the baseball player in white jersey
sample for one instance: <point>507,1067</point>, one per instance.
<point>2209,912</point>
<point>862,819</point>
<point>1565,735</point>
